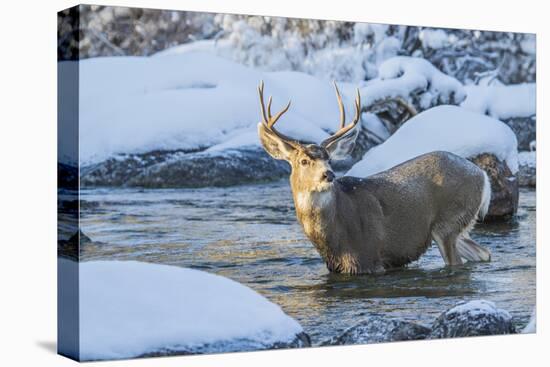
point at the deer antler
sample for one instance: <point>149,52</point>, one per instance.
<point>343,128</point>
<point>269,120</point>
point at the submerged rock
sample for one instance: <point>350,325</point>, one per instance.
<point>472,318</point>
<point>197,169</point>
<point>504,186</point>
<point>377,329</point>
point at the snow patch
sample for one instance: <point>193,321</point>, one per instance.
<point>449,128</point>
<point>402,76</point>
<point>502,101</point>
<point>189,100</point>
<point>130,308</point>
<point>479,307</point>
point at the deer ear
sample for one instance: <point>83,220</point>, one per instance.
<point>341,148</point>
<point>275,146</point>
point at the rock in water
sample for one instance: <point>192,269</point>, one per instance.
<point>504,186</point>
<point>472,318</point>
<point>376,329</point>
<point>190,170</point>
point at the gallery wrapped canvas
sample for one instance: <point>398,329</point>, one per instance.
<point>233,183</point>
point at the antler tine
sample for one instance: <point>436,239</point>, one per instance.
<point>279,114</point>
<point>262,106</point>
<point>271,120</point>
<point>340,106</point>
<point>269,107</point>
<point>343,128</point>
<point>357,108</point>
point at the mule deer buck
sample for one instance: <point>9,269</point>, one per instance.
<point>367,225</point>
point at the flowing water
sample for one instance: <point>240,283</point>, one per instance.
<point>250,234</point>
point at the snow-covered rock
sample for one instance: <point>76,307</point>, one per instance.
<point>472,318</point>
<point>527,174</point>
<point>449,128</point>
<point>515,105</point>
<point>413,79</point>
<point>130,309</point>
<point>189,120</point>
<point>190,101</point>
<point>377,329</point>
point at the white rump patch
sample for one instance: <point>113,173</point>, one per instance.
<point>485,197</point>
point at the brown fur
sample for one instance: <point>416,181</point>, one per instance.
<point>390,219</point>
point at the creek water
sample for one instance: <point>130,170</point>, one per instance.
<point>250,234</point>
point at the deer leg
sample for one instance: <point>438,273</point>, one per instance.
<point>471,251</point>
<point>448,248</point>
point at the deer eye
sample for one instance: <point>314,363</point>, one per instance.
<point>304,162</point>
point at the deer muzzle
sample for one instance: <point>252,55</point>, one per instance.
<point>329,176</point>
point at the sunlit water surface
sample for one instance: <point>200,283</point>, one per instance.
<point>250,234</point>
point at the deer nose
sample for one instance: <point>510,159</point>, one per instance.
<point>329,176</point>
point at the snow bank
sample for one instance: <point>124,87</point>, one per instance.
<point>130,308</point>
<point>403,76</point>
<point>502,101</point>
<point>450,128</point>
<point>188,101</point>
<point>212,46</point>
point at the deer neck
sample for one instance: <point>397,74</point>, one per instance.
<point>315,212</point>
<point>312,202</point>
